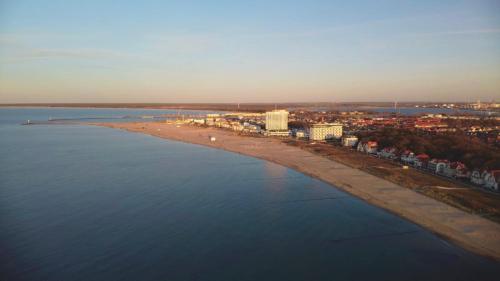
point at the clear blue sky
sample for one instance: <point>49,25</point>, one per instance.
<point>249,51</point>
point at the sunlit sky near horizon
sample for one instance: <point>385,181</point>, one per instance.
<point>249,51</point>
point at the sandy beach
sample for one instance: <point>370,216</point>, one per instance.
<point>470,231</point>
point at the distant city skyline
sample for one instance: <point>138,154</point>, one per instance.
<point>241,51</point>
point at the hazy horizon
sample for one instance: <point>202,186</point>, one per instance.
<point>251,103</point>
<point>264,51</point>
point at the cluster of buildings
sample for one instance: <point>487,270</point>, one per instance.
<point>272,123</point>
<point>485,105</point>
<point>423,123</point>
<point>484,129</point>
<point>452,169</point>
<point>475,106</point>
<point>241,122</point>
<point>275,123</point>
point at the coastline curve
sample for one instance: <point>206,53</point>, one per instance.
<point>469,231</point>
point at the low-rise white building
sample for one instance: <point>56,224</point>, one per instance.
<point>388,153</point>
<point>491,179</point>
<point>441,167</point>
<point>437,165</point>
<point>370,147</point>
<point>325,131</point>
<point>476,177</point>
<point>300,134</point>
<point>349,141</point>
<point>277,133</point>
<point>408,157</point>
<point>199,121</point>
<point>421,161</point>
<point>251,128</point>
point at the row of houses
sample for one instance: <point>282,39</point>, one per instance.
<point>451,169</point>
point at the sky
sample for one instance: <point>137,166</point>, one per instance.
<point>249,51</point>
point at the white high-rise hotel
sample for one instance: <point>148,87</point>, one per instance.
<point>277,122</point>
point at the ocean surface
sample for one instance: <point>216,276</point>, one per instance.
<point>90,203</point>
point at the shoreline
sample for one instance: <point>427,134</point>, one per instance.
<point>469,231</point>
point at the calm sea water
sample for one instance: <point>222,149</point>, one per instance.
<point>75,115</point>
<point>90,203</point>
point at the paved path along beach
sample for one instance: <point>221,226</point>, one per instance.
<point>469,231</point>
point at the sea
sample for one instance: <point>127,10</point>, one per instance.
<point>80,202</point>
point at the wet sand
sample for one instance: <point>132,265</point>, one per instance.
<point>470,231</point>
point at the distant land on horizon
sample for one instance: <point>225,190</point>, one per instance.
<point>232,106</point>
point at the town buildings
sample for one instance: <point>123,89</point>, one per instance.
<point>311,125</point>
<point>325,131</point>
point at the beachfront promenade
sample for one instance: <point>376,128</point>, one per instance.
<point>469,231</point>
